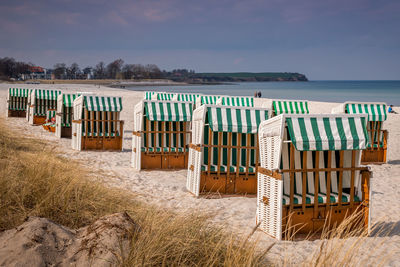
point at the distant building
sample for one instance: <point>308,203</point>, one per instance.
<point>37,72</point>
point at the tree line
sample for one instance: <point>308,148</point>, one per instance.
<point>10,68</point>
<point>117,69</point>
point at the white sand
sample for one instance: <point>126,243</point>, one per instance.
<point>168,188</point>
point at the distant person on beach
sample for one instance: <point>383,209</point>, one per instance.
<point>259,94</point>
<point>255,94</point>
<point>390,110</point>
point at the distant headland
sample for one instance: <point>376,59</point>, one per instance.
<point>218,77</point>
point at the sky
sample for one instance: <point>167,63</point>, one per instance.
<point>323,39</point>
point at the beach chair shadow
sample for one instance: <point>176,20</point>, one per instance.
<point>384,229</point>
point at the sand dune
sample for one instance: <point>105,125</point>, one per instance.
<point>168,189</point>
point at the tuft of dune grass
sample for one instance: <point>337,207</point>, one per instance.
<point>35,181</point>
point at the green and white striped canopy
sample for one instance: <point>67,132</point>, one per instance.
<point>68,99</point>
<point>235,120</point>
<point>148,95</point>
<point>50,114</point>
<point>321,133</point>
<point>165,96</point>
<point>187,97</point>
<point>19,92</point>
<point>238,101</point>
<point>168,111</point>
<point>290,107</point>
<point>103,103</point>
<point>47,94</point>
<point>209,99</point>
<point>376,112</point>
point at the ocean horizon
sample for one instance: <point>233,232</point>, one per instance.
<point>387,91</point>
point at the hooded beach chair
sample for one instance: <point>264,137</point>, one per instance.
<point>377,114</point>
<point>280,106</point>
<point>207,100</point>
<point>96,124</point>
<point>40,101</point>
<point>161,134</point>
<point>310,173</point>
<point>17,101</point>
<point>243,101</point>
<point>148,95</point>
<point>236,101</point>
<point>50,125</point>
<point>186,97</point>
<point>162,96</point>
<point>64,115</point>
<point>223,154</point>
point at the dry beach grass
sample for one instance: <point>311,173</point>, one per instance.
<point>35,181</point>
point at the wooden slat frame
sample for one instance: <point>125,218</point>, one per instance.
<point>353,169</point>
<point>248,144</point>
<point>210,140</point>
<point>239,152</point>
<point>229,150</point>
<point>291,176</point>
<point>340,185</point>
<point>316,184</point>
<point>153,138</point>
<point>304,183</point>
<point>180,131</point>
<point>184,145</point>
<point>353,175</point>
<point>229,147</point>
<point>169,136</point>
<point>328,181</point>
<point>219,154</point>
<point>147,145</point>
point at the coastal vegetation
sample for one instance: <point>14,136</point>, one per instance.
<point>12,70</point>
<point>36,181</point>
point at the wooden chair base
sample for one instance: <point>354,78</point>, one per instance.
<point>373,156</point>
<point>169,161</point>
<point>66,132</point>
<point>307,222</point>
<point>39,120</point>
<point>224,184</point>
<point>102,143</point>
<point>17,113</point>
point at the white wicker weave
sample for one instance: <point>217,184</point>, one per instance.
<point>137,140</point>
<point>193,176</point>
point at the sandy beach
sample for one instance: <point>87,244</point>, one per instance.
<point>168,188</point>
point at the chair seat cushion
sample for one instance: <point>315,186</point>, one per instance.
<point>321,198</point>
<point>224,168</point>
<point>164,149</point>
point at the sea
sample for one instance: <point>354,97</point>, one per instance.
<point>328,91</point>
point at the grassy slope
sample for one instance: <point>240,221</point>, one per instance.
<point>34,181</point>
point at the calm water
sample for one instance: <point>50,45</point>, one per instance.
<point>330,91</point>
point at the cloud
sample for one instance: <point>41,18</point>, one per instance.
<point>237,61</point>
<point>116,18</point>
